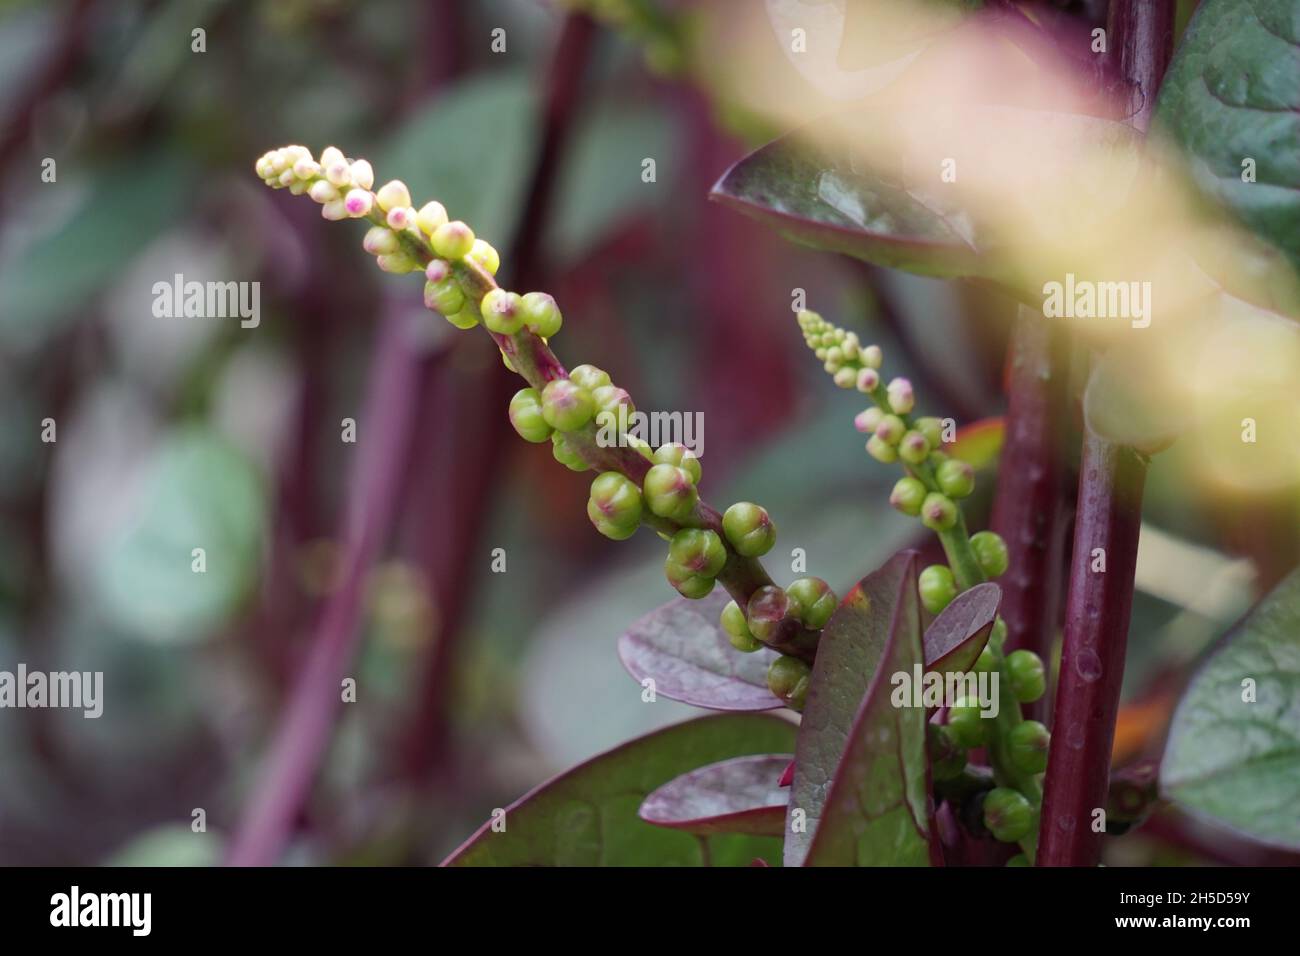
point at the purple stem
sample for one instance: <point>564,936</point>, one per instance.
<point>1027,510</point>
<point>1111,480</point>
<point>385,428</point>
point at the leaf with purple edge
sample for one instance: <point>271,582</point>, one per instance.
<point>955,638</point>
<point>861,773</point>
<point>742,795</point>
<point>683,649</point>
<point>819,200</point>
<point>587,816</point>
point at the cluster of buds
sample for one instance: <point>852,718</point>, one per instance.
<point>657,487</point>
<point>931,489</point>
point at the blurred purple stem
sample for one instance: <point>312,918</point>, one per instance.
<point>384,428</point>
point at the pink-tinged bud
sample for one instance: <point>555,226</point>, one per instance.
<point>380,241</point>
<point>363,176</point>
<point>868,380</point>
<point>334,210</point>
<point>321,191</point>
<point>295,152</point>
<point>868,420</point>
<point>286,178</point>
<point>437,270</point>
<point>278,161</point>
<point>397,263</point>
<point>393,194</point>
<point>872,356</point>
<point>306,168</point>
<point>338,173</point>
<point>359,202</point>
<point>430,217</point>
<point>401,218</point>
<point>452,240</point>
<point>900,395</point>
<point>331,156</point>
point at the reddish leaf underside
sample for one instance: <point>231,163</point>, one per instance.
<point>955,638</point>
<point>743,795</point>
<point>860,763</point>
<point>683,649</point>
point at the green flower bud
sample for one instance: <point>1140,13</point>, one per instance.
<point>379,241</point>
<point>393,195</point>
<point>891,430</point>
<point>901,399</point>
<point>681,456</point>
<point>845,377</point>
<point>766,609</point>
<point>788,679</point>
<point>398,263</point>
<point>1027,744</point>
<point>907,496</point>
<point>526,416</point>
<point>687,582</point>
<point>956,478</point>
<point>641,446</point>
<point>868,420</point>
<point>968,728</point>
<point>452,240</point>
<point>608,399</point>
<point>589,377</point>
<point>811,601</point>
<point>872,356</point>
<point>467,318</point>
<point>1007,814</point>
<point>615,505</point>
<point>502,312</point>
<point>541,314</point>
<point>698,550</point>
<point>986,663</point>
<point>565,454</point>
<point>881,450</point>
<point>937,586</point>
<point>566,406</point>
<point>991,552</point>
<point>749,529</point>
<point>1027,676</point>
<point>486,256</point>
<point>670,492</point>
<point>913,449</point>
<point>445,297</point>
<point>733,622</point>
<point>998,636</point>
<point>430,217</point>
<point>938,513</point>
<point>932,429</point>
<point>947,757</point>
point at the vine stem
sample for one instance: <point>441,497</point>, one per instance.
<point>1111,480</point>
<point>307,721</point>
<point>1027,507</point>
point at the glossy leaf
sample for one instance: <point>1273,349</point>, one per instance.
<point>1233,754</point>
<point>827,202</point>
<point>587,816</point>
<point>1232,95</point>
<point>955,638</point>
<point>683,649</point>
<point>860,765</point>
<point>743,795</point>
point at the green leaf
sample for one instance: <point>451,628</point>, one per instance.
<point>587,816</point>
<point>831,202</point>
<point>1231,94</point>
<point>200,492</point>
<point>1233,754</point>
<point>118,211</point>
<point>861,774</point>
